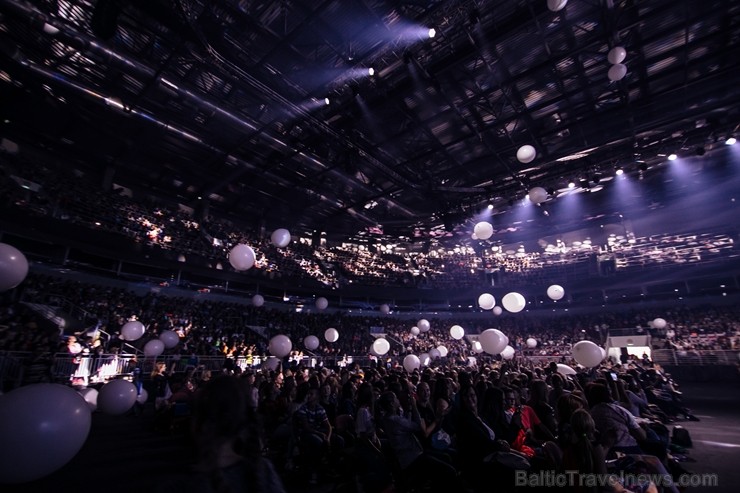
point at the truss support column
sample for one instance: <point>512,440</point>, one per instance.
<point>119,267</point>
<point>179,276</point>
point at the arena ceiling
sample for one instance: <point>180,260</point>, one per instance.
<point>225,101</point>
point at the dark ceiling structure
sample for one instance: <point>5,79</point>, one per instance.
<point>267,109</point>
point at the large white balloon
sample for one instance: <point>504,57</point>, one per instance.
<point>526,154</point>
<point>537,195</point>
<point>423,325</point>
<point>272,363</point>
<point>280,238</point>
<point>385,309</point>
<point>659,323</point>
<point>169,338</point>
<point>42,427</point>
<point>424,359</point>
<point>531,343</point>
<point>322,303</point>
<point>153,348</point>
<point>617,72</point>
<point>556,5</point>
<point>603,353</point>
<point>258,300</point>
<point>486,301</point>
<point>280,346</point>
<point>13,267</point>
<point>497,310</point>
<point>513,302</point>
<point>483,230</point>
<point>411,362</point>
<point>415,331</point>
<point>117,397</point>
<point>311,342</point>
<point>616,55</point>
<point>492,341</point>
<point>381,346</point>
<point>477,347</point>
<point>91,397</point>
<point>508,353</point>
<point>587,354</point>
<point>132,331</point>
<point>565,369</point>
<point>331,335</point>
<point>242,257</point>
<point>442,351</point>
<point>555,292</point>
<point>434,353</point>
<point>457,332</point>
<point>142,397</point>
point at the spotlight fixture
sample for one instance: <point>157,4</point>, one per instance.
<point>490,207</point>
<point>432,32</point>
<point>571,184</point>
<point>326,101</point>
<point>619,172</point>
<point>730,141</point>
<point>371,71</point>
<point>672,157</point>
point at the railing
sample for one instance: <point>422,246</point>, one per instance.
<point>695,357</point>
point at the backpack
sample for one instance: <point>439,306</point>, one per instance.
<point>681,436</point>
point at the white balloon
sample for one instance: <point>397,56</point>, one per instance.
<point>423,325</point>
<point>117,397</point>
<point>587,354</point>
<point>565,369</point>
<point>477,348</point>
<point>42,426</point>
<point>169,338</point>
<point>603,353</point>
<point>555,292</point>
<point>322,303</point>
<point>415,331</point>
<point>258,300</point>
<point>434,353</point>
<point>381,346</point>
<point>442,351</point>
<point>659,323</point>
<point>483,230</point>
<point>497,310</point>
<point>526,154</point>
<point>556,5</point>
<point>508,353</point>
<point>537,195</point>
<point>492,341</point>
<point>411,362</point>
<point>153,348</point>
<point>385,309</point>
<point>280,346</point>
<point>272,363</point>
<point>91,397</point>
<point>280,238</point>
<point>242,257</point>
<point>142,397</point>
<point>531,343</point>
<point>132,331</point>
<point>13,267</point>
<point>514,302</point>
<point>617,72</point>
<point>425,359</point>
<point>616,55</point>
<point>457,332</point>
<point>311,342</point>
<point>486,301</point>
<point>331,335</point>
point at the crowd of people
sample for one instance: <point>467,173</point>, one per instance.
<point>191,235</point>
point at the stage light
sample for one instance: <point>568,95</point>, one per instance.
<point>371,71</point>
<point>672,157</point>
<point>620,171</point>
<point>730,141</point>
<point>490,207</point>
<point>432,32</point>
<point>571,184</point>
<point>326,101</point>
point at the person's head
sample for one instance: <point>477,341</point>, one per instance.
<point>583,424</point>
<point>566,405</point>
<point>538,391</point>
<point>423,392</point>
<point>388,403</point>
<point>511,397</point>
<point>597,393</point>
<point>366,395</point>
<point>469,399</point>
